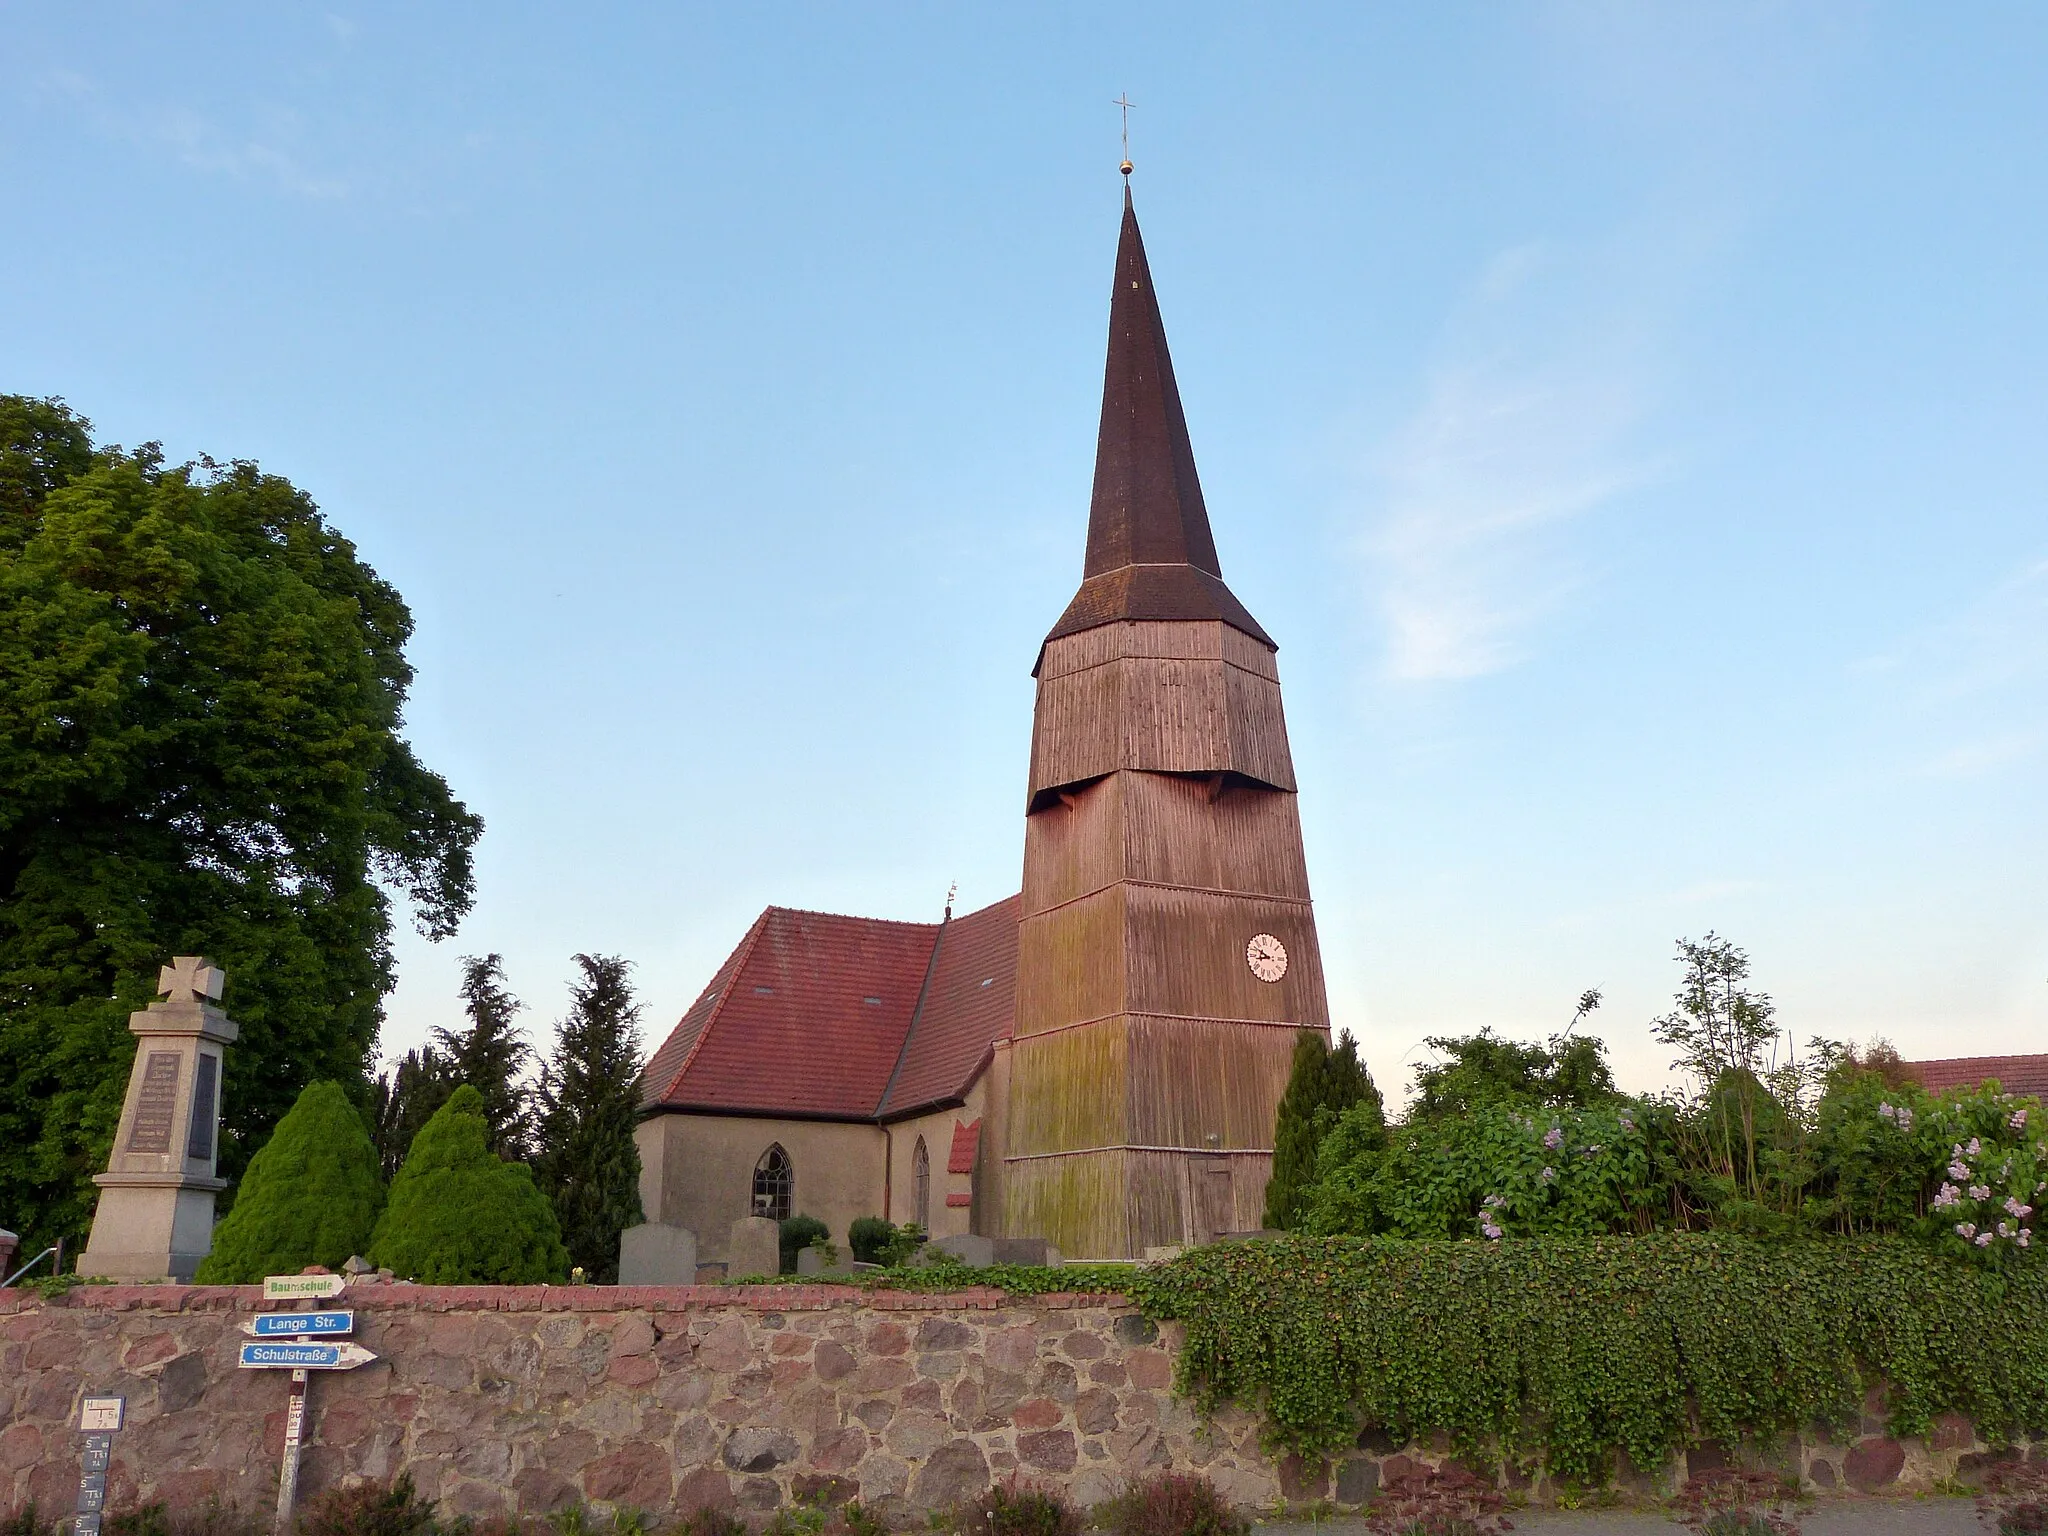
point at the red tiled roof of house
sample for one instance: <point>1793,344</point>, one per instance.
<point>970,1003</point>
<point>966,1142</point>
<point>2015,1074</point>
<point>812,1015</point>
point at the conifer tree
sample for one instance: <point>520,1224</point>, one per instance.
<point>459,1215</point>
<point>589,1103</point>
<point>310,1195</point>
<point>490,1056</point>
<point>1322,1085</point>
<point>404,1099</point>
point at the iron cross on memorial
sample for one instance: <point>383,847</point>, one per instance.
<point>189,978</point>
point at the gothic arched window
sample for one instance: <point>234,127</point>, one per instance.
<point>774,1184</point>
<point>921,1185</point>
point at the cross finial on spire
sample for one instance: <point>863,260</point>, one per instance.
<point>189,978</point>
<point>1126,103</point>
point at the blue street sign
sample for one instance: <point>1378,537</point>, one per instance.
<point>318,1357</point>
<point>272,1324</point>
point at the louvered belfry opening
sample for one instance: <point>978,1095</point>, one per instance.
<point>1161,837</point>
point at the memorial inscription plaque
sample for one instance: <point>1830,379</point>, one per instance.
<point>199,1142</point>
<point>156,1104</point>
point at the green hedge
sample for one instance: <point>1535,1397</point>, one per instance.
<point>1566,1350</point>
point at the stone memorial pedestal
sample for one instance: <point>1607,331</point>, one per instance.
<point>155,1214</point>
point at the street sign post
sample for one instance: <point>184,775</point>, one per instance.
<point>268,1325</point>
<point>293,1341</point>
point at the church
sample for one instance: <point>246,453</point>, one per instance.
<point>1097,1060</point>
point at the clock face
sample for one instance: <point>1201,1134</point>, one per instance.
<point>1267,957</point>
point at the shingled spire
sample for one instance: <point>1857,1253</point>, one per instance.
<point>1150,552</point>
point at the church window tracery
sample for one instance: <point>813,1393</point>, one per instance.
<point>774,1184</point>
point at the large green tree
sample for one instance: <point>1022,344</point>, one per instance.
<point>491,1055</point>
<point>403,1099</point>
<point>201,714</point>
<point>589,1103</point>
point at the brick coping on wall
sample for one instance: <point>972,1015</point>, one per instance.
<point>401,1296</point>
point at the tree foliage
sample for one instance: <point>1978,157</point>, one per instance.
<point>403,1099</point>
<point>1510,1140</point>
<point>490,1055</point>
<point>1323,1086</point>
<point>310,1195</point>
<point>201,712</point>
<point>459,1214</point>
<point>589,1102</point>
<point>1484,1069</point>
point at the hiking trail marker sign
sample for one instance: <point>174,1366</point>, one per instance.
<point>98,1417</point>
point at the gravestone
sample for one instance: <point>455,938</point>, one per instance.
<point>811,1261</point>
<point>1027,1250</point>
<point>655,1253</point>
<point>965,1247</point>
<point>755,1249</point>
<point>155,1215</point>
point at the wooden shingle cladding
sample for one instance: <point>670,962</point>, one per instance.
<point>1161,836</point>
<point>1166,698</point>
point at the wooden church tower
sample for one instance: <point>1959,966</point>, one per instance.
<point>1167,951</point>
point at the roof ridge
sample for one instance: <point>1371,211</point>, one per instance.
<point>739,964</point>
<point>850,917</point>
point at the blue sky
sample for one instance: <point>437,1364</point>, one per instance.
<point>1631,421</point>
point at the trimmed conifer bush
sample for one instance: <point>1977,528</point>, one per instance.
<point>460,1215</point>
<point>310,1196</point>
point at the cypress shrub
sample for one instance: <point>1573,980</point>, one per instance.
<point>310,1196</point>
<point>460,1215</point>
<point>1323,1084</point>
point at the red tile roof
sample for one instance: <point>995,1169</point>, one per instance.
<point>2016,1074</point>
<point>847,1018</point>
<point>969,1005</point>
<point>966,1140</point>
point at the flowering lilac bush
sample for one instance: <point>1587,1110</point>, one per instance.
<point>1967,1172</point>
<point>1498,1171</point>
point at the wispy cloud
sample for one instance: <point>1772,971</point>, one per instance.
<point>1978,679</point>
<point>1525,425</point>
<point>200,143</point>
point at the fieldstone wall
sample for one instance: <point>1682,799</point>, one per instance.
<point>668,1398</point>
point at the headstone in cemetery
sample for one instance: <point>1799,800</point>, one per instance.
<point>965,1247</point>
<point>155,1215</point>
<point>655,1253</point>
<point>1027,1250</point>
<point>811,1261</point>
<point>755,1249</point>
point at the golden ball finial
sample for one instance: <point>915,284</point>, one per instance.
<point>1125,167</point>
